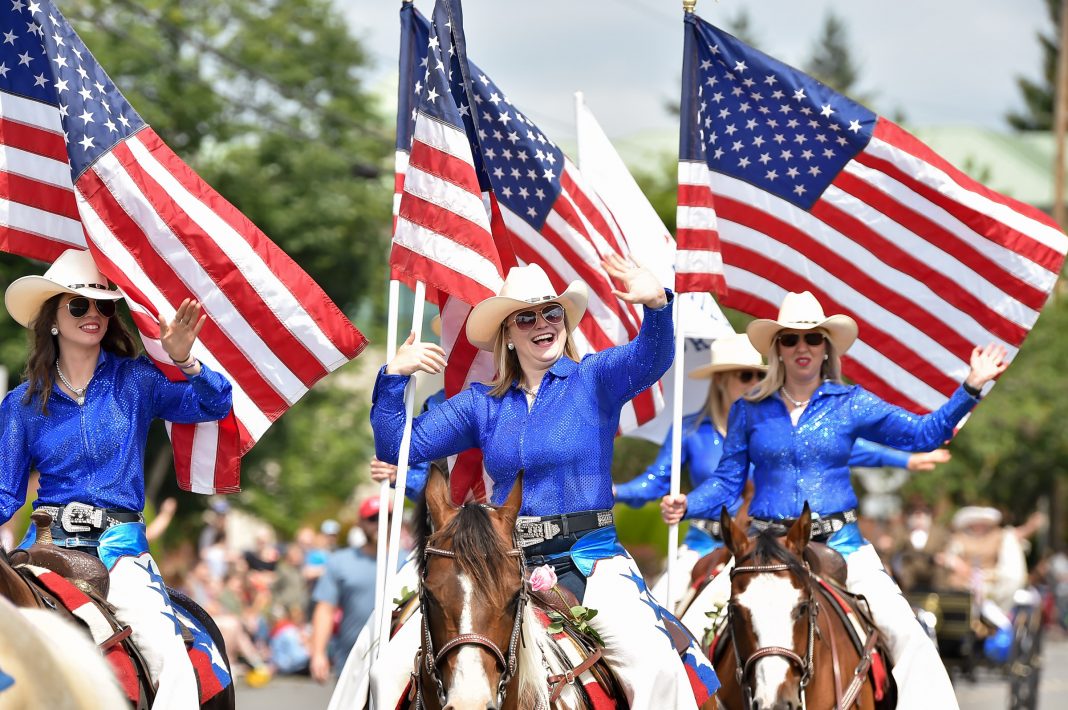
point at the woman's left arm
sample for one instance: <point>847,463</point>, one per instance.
<point>626,370</point>
<point>897,427</point>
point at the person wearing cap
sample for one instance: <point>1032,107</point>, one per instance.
<point>554,417</point>
<point>735,368</point>
<point>797,430</point>
<point>81,420</point>
<point>347,585</point>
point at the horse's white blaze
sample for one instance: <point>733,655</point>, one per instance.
<point>771,602</point>
<point>470,686</point>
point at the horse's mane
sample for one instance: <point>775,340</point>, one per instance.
<point>766,546</point>
<point>481,553</point>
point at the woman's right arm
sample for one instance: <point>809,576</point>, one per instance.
<point>14,458</point>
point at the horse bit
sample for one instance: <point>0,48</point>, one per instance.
<point>432,661</point>
<point>803,664</point>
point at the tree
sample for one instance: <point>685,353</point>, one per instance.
<point>832,60</point>
<point>1038,96</point>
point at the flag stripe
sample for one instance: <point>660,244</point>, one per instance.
<point>33,139</point>
<point>439,206</point>
<point>32,246</point>
<point>55,200</point>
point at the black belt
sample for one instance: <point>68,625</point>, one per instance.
<point>82,517</point>
<point>532,530</point>
<point>822,527</point>
<point>711,527</point>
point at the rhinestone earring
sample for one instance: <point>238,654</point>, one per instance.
<point>511,346</point>
<point>55,330</point>
<point>825,357</point>
<point>780,358</point>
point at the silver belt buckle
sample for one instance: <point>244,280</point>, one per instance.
<point>604,518</point>
<point>80,517</point>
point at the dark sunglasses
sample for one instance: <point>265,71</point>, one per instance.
<point>747,376</point>
<point>553,314</point>
<point>79,306</point>
<point>790,340</point>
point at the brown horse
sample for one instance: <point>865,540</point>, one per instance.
<point>483,647</point>
<point>787,646</point>
<point>17,588</point>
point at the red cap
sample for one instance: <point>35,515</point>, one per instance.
<point>370,507</point>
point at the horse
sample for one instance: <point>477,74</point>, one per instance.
<point>89,574</point>
<point>483,645</point>
<point>37,666</point>
<point>789,641</point>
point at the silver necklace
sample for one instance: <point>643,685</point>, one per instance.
<point>531,392</point>
<point>792,400</point>
<point>79,392</point>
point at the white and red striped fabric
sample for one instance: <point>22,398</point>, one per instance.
<point>81,169</point>
<point>810,191</point>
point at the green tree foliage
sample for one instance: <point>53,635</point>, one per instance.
<point>1038,96</point>
<point>832,60</point>
<point>266,100</point>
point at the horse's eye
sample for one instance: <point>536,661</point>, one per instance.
<point>802,610</point>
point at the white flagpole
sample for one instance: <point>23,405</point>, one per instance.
<point>676,447</point>
<point>383,490</point>
<point>402,475</point>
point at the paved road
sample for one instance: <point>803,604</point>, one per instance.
<point>985,694</point>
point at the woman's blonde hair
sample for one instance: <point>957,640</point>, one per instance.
<point>507,361</point>
<point>716,406</point>
<point>776,375</point>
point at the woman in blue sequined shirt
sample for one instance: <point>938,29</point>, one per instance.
<point>555,418</point>
<point>81,420</point>
<point>797,430</point>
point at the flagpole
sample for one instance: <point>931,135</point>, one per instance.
<point>393,554</point>
<point>676,448</point>
<point>1060,122</point>
<point>383,490</point>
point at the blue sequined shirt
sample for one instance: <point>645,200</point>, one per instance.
<point>563,443</point>
<point>94,453</point>
<point>810,462</point>
<point>702,448</point>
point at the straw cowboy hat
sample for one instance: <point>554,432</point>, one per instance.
<point>801,311</point>
<point>971,514</point>
<point>525,286</point>
<point>73,272</point>
<point>733,352</point>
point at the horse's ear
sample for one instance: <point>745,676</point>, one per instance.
<point>439,497</point>
<point>736,539</point>
<point>509,510</point>
<point>800,532</point>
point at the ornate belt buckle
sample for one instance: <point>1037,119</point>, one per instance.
<point>549,529</point>
<point>604,518</point>
<point>79,517</point>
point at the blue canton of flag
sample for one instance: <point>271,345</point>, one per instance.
<point>768,124</point>
<point>42,58</point>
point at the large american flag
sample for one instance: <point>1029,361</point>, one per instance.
<point>539,208</point>
<point>79,168</point>
<point>808,190</point>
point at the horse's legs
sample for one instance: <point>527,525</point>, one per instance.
<point>921,678</point>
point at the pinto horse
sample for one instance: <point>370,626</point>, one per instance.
<point>789,642</point>
<point>483,645</point>
<point>16,587</point>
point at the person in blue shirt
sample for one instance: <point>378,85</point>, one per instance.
<point>81,421</point>
<point>735,368</point>
<point>555,418</point>
<point>797,431</point>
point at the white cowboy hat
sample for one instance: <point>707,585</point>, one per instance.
<point>733,352</point>
<point>801,311</point>
<point>971,514</point>
<point>524,286</point>
<point>73,272</point>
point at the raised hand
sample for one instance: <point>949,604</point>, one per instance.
<point>928,460</point>
<point>415,357</point>
<point>987,363</point>
<point>178,335</point>
<point>642,285</point>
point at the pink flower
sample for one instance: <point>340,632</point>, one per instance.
<point>542,578</point>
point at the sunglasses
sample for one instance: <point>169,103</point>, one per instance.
<point>79,307</point>
<point>553,314</point>
<point>747,376</point>
<point>789,340</point>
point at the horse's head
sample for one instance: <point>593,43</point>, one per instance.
<point>473,596</point>
<point>772,614</point>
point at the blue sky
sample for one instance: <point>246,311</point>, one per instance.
<point>940,61</point>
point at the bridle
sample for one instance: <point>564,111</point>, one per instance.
<point>811,607</point>
<point>432,661</point>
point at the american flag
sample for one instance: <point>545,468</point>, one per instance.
<point>540,209</point>
<point>79,168</point>
<point>808,190</point>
